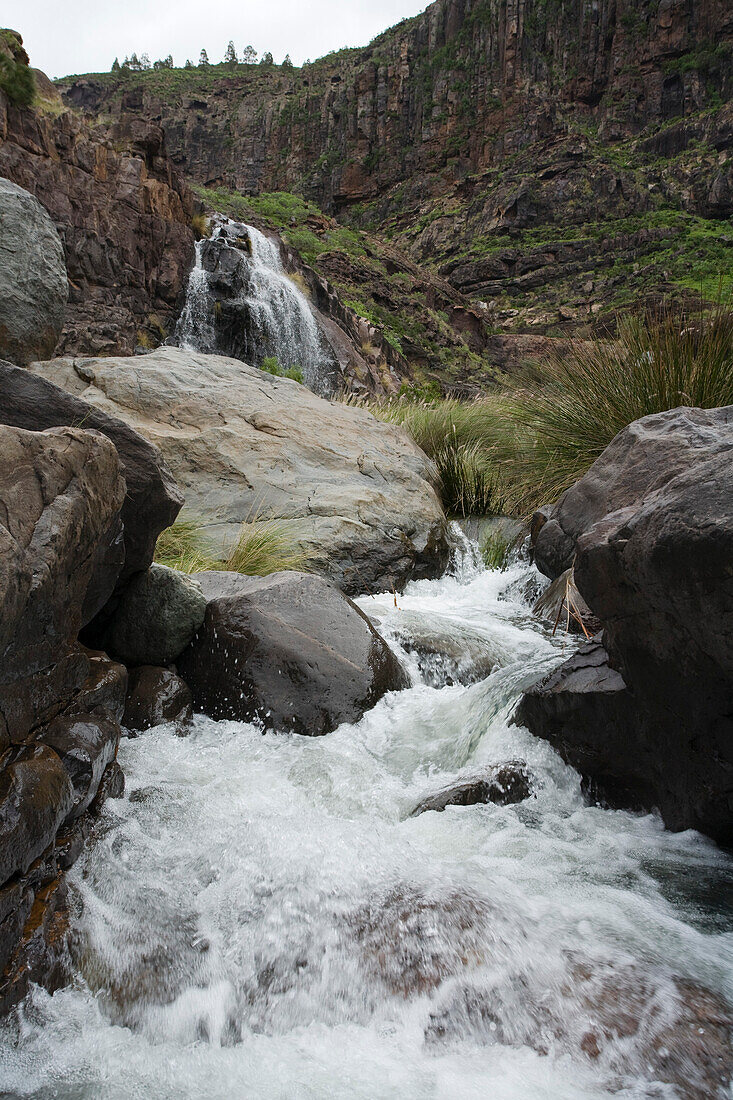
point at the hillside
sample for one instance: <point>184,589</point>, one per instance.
<point>555,160</point>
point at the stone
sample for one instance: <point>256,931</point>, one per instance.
<point>36,796</point>
<point>359,495</point>
<point>447,651</point>
<point>61,493</point>
<point>646,716</point>
<point>502,784</point>
<point>152,500</point>
<point>289,650</point>
<point>647,455</point>
<point>33,283</point>
<point>156,617</point>
<point>86,745</point>
<point>155,696</point>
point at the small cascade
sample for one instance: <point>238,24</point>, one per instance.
<point>241,302</point>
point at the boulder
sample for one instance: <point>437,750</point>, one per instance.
<point>155,696</point>
<point>86,745</point>
<point>153,499</point>
<point>647,717</point>
<point>36,797</point>
<point>33,283</point>
<point>446,651</point>
<point>360,494</point>
<point>156,617</point>
<point>290,650</point>
<point>642,458</point>
<point>502,784</point>
<point>61,493</point>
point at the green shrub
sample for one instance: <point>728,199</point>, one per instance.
<point>271,365</point>
<point>495,549</point>
<point>184,547</point>
<point>16,78</point>
<point>263,547</point>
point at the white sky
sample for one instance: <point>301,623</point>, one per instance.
<point>80,36</point>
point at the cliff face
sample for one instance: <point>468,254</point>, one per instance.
<point>557,159</point>
<point>123,215</point>
<point>472,81</point>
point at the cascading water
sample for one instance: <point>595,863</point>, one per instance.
<point>260,916</point>
<point>241,302</point>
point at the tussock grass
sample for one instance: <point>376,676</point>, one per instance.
<point>264,546</point>
<point>528,442</point>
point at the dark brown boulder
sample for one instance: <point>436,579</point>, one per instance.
<point>503,784</point>
<point>153,499</point>
<point>61,492</point>
<point>36,796</point>
<point>290,650</point>
<point>648,720</point>
<point>86,745</point>
<point>156,695</point>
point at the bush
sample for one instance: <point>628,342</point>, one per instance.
<point>183,547</point>
<point>554,423</point>
<point>16,78</point>
<point>270,365</point>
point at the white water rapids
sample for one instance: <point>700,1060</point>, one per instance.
<point>260,917</point>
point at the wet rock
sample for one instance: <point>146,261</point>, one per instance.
<point>33,283</point>
<point>289,649</point>
<point>156,617</point>
<point>637,1024</point>
<point>360,494</point>
<point>156,695</point>
<point>647,719</point>
<point>86,746</point>
<point>447,652</point>
<point>111,786</point>
<point>42,954</point>
<point>104,690</point>
<point>152,500</point>
<point>36,796</point>
<point>503,784</point>
<point>60,493</point>
<point>411,941</point>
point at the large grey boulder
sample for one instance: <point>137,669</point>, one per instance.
<point>647,717</point>
<point>290,650</point>
<point>361,495</point>
<point>642,458</point>
<point>33,282</point>
<point>152,500</point>
<point>156,617</point>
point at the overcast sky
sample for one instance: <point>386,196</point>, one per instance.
<point>80,36</point>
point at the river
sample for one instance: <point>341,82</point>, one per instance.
<point>261,917</point>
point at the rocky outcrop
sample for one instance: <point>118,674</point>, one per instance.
<point>123,216</point>
<point>33,286</point>
<point>152,500</point>
<point>646,716</point>
<point>61,494</point>
<point>242,444</point>
<point>289,650</point>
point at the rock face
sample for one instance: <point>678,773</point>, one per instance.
<point>241,443</point>
<point>290,650</point>
<point>157,616</point>
<point>646,717</point>
<point>542,155</point>
<point>33,285</point>
<point>124,219</point>
<point>503,784</point>
<point>152,500</point>
<point>61,495</point>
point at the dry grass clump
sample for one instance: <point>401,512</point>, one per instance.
<point>528,442</point>
<point>263,547</point>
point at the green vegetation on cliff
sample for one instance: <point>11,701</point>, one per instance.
<point>16,78</point>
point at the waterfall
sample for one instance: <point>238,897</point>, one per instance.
<point>240,301</point>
